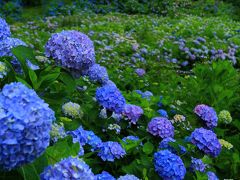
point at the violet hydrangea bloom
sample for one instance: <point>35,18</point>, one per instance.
<point>111,98</point>
<point>168,165</point>
<point>104,176</point>
<point>211,175</point>
<point>25,126</point>
<point>110,150</point>
<point>7,44</point>
<point>68,168</point>
<point>140,72</point>
<point>207,114</point>
<point>206,140</point>
<point>71,49</point>
<point>197,165</point>
<point>160,126</point>
<point>128,177</point>
<point>97,73</point>
<point>132,112</point>
<point>4,29</point>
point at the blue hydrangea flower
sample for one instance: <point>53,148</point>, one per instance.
<point>25,126</point>
<point>163,113</point>
<point>110,150</point>
<point>57,132</point>
<point>4,29</point>
<point>72,50</point>
<point>132,112</point>
<point>197,165</point>
<point>164,144</point>
<point>207,114</point>
<point>168,165</point>
<point>104,176</point>
<point>140,72</point>
<point>146,95</point>
<point>207,141</point>
<point>97,73</point>
<point>211,175</point>
<point>93,140</point>
<point>131,138</point>
<point>128,177</point>
<point>160,126</point>
<point>3,70</point>
<point>72,109</point>
<point>69,168</point>
<point>111,98</point>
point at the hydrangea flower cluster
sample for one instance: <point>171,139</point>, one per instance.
<point>211,175</point>
<point>110,150</point>
<point>3,70</point>
<point>164,144</point>
<point>104,176</point>
<point>69,168</point>
<point>140,72</point>
<point>207,141</point>
<point>72,110</point>
<point>128,177</point>
<point>179,118</point>
<point>207,114</point>
<point>115,127</point>
<point>163,113</point>
<point>7,44</point>
<point>160,126</point>
<point>169,165</point>
<point>146,95</point>
<point>131,138</point>
<point>111,98</point>
<point>197,165</point>
<point>132,112</point>
<point>225,117</point>
<point>25,126</point>
<point>225,144</point>
<point>72,50</point>
<point>4,29</point>
<point>97,73</point>
<point>57,132</point>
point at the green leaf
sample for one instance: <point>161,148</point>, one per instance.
<point>29,172</point>
<point>148,148</point>
<point>33,78</point>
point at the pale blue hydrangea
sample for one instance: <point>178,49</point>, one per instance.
<point>109,151</point>
<point>72,50</point>
<point>212,176</point>
<point>169,166</point>
<point>57,132</point>
<point>163,113</point>
<point>132,112</point>
<point>104,176</point>
<point>128,177</point>
<point>4,29</point>
<point>68,168</point>
<point>97,73</point>
<point>72,110</point>
<point>111,98</point>
<point>25,126</point>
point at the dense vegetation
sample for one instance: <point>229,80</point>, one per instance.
<point>146,89</point>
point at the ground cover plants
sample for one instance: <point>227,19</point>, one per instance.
<point>122,94</point>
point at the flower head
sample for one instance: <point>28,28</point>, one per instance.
<point>225,117</point>
<point>163,113</point>
<point>225,144</point>
<point>25,126</point>
<point>72,109</point>
<point>132,112</point>
<point>160,126</point>
<point>211,175</point>
<point>57,132</point>
<point>206,140</point>
<point>111,98</point>
<point>69,168</point>
<point>97,73</point>
<point>110,150</point>
<point>72,50</point>
<point>104,176</point>
<point>140,72</point>
<point>4,29</point>
<point>197,165</point>
<point>207,114</point>
<point>3,70</point>
<point>128,177</point>
<point>169,165</point>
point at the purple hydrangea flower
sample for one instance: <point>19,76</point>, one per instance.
<point>132,112</point>
<point>140,72</point>
<point>211,175</point>
<point>168,165</point>
<point>197,165</point>
<point>25,126</point>
<point>72,50</point>
<point>207,114</point>
<point>108,151</point>
<point>69,168</point>
<point>104,176</point>
<point>160,126</point>
<point>4,29</point>
<point>206,140</point>
<point>128,177</point>
<point>97,73</point>
<point>163,113</point>
<point>111,98</point>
